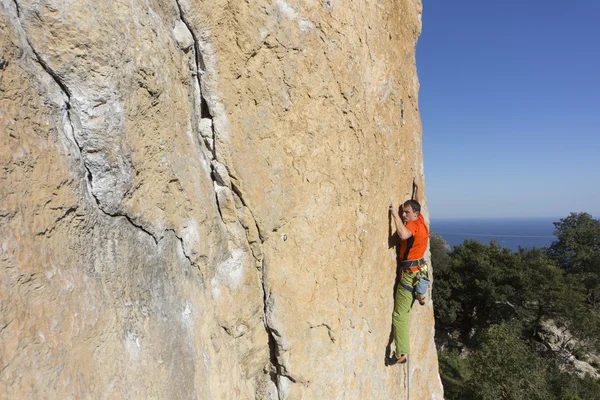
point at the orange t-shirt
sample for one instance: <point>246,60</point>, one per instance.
<point>415,246</point>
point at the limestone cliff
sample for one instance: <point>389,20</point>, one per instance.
<point>193,199</point>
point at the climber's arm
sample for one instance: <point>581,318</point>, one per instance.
<point>419,197</point>
<point>403,232</point>
<point>418,192</point>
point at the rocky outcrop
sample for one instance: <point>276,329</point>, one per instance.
<point>193,199</point>
<point>566,348</point>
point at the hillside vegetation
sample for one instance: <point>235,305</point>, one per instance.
<point>524,324</point>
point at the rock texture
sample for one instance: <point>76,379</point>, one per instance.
<point>193,199</point>
<point>572,352</point>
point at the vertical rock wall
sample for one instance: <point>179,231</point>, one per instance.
<point>193,199</point>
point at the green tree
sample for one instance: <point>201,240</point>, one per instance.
<point>509,370</point>
<point>489,302</point>
<point>455,372</point>
<point>485,288</point>
<point>571,387</point>
<point>578,246</point>
<point>577,250</point>
<point>447,306</point>
<point>540,290</point>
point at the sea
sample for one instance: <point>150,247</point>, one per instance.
<point>508,232</point>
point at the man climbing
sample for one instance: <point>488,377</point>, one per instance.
<point>414,280</point>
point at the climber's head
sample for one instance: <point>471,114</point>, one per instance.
<point>410,210</point>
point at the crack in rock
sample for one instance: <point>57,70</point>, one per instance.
<point>329,331</point>
<point>66,107</point>
<point>223,186</point>
<point>18,10</point>
<point>278,371</point>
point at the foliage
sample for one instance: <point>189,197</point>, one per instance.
<point>505,367</point>
<point>567,387</point>
<point>456,372</point>
<point>578,246</point>
<point>512,370</point>
<point>448,306</point>
<point>489,303</point>
<point>577,250</point>
<point>488,284</point>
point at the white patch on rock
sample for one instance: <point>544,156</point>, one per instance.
<point>284,384</point>
<point>183,36</point>
<point>206,360</point>
<point>417,138</point>
<point>415,82</point>
<point>190,235</point>
<point>284,10</point>
<point>98,121</point>
<point>186,315</point>
<point>50,272</point>
<point>272,391</point>
<point>215,289</point>
<point>210,89</point>
<point>206,127</point>
<point>264,32</point>
<point>231,271</point>
<point>133,346</point>
<point>305,25</point>
<point>221,174</point>
<point>204,159</point>
<point>437,395</point>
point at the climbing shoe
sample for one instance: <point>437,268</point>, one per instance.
<point>394,359</point>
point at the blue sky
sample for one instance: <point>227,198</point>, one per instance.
<point>510,104</point>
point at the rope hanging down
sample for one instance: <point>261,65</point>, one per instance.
<point>408,378</point>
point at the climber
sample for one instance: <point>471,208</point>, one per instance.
<point>414,281</point>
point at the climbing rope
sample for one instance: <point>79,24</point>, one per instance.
<point>412,197</point>
<point>407,377</point>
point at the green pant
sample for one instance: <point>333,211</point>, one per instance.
<point>402,306</point>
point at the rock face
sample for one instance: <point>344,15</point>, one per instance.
<point>193,199</point>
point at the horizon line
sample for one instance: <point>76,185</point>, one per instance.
<point>489,235</point>
<point>511,217</point>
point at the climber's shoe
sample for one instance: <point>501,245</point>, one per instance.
<point>394,359</point>
<point>421,299</point>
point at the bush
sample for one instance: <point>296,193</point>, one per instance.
<point>511,369</point>
<point>455,372</point>
<point>490,301</point>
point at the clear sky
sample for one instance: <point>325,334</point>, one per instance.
<point>510,104</point>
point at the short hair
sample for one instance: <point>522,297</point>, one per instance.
<point>413,204</point>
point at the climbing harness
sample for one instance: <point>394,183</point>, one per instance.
<point>418,266</point>
<point>413,265</point>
